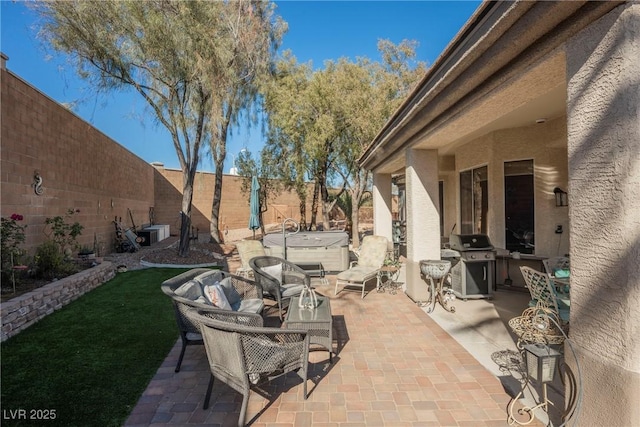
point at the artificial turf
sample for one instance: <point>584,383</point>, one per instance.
<point>88,363</point>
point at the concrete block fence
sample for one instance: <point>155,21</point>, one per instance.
<point>23,311</point>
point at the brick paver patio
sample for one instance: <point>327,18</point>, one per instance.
<point>394,367</point>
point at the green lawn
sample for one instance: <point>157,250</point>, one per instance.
<point>88,363</point>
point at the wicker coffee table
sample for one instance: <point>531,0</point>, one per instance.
<point>317,322</point>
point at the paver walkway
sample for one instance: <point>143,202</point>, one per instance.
<point>394,367</point>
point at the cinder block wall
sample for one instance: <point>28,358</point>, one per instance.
<point>234,207</point>
<point>81,168</point>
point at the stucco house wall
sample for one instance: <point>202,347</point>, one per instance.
<point>544,144</point>
<point>604,177</point>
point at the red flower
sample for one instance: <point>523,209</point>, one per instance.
<point>17,217</point>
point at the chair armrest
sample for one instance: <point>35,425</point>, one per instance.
<point>230,316</point>
<point>245,287</point>
<point>170,285</point>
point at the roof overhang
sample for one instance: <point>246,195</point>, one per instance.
<point>504,69</point>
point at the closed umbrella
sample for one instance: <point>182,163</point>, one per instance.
<point>254,206</point>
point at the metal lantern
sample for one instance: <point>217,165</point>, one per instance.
<point>541,362</point>
<point>561,197</point>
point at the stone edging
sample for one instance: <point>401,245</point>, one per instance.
<point>23,311</point>
<point>149,264</point>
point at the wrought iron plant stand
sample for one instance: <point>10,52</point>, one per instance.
<point>436,273</point>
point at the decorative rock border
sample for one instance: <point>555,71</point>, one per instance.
<point>23,311</point>
<point>152,265</point>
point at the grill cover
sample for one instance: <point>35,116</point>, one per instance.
<point>470,242</point>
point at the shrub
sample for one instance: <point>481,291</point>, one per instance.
<point>63,233</point>
<point>12,236</point>
<point>48,260</point>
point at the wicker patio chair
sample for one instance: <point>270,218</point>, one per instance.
<point>245,356</point>
<point>190,333</point>
<point>279,279</point>
<point>372,254</point>
<point>248,249</point>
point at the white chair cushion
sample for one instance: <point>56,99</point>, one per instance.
<point>359,273</point>
<point>215,295</point>
<point>191,290</point>
<point>274,271</point>
<point>249,306</point>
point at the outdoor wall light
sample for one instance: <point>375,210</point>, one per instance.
<point>561,197</point>
<point>542,362</point>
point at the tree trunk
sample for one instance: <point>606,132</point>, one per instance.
<point>185,215</point>
<point>314,205</point>
<point>324,193</point>
<point>355,220</point>
<point>215,205</point>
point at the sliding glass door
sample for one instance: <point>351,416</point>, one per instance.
<point>474,201</point>
<point>519,206</point>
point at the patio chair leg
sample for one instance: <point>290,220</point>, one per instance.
<point>184,347</point>
<point>243,408</point>
<point>208,395</point>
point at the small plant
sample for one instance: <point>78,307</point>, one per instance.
<point>64,233</point>
<point>12,236</point>
<point>391,261</point>
<point>48,260</point>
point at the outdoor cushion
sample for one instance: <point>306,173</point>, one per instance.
<point>209,278</point>
<point>248,306</point>
<point>215,295</point>
<point>291,290</point>
<point>358,273</point>
<point>191,290</point>
<point>274,271</point>
<point>229,291</point>
<point>373,251</point>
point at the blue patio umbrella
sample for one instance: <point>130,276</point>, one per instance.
<point>254,206</point>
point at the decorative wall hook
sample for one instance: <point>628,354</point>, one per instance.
<point>37,183</point>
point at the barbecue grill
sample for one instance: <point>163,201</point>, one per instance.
<point>473,263</point>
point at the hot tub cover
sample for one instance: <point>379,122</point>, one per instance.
<point>309,239</point>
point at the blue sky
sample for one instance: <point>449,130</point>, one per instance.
<point>318,31</point>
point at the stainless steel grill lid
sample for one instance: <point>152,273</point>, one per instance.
<point>470,242</point>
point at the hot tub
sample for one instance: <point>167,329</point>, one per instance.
<point>331,248</point>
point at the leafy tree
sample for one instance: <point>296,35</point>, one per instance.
<point>327,117</point>
<point>182,57</point>
<point>372,92</point>
<point>286,152</point>
<point>251,40</point>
